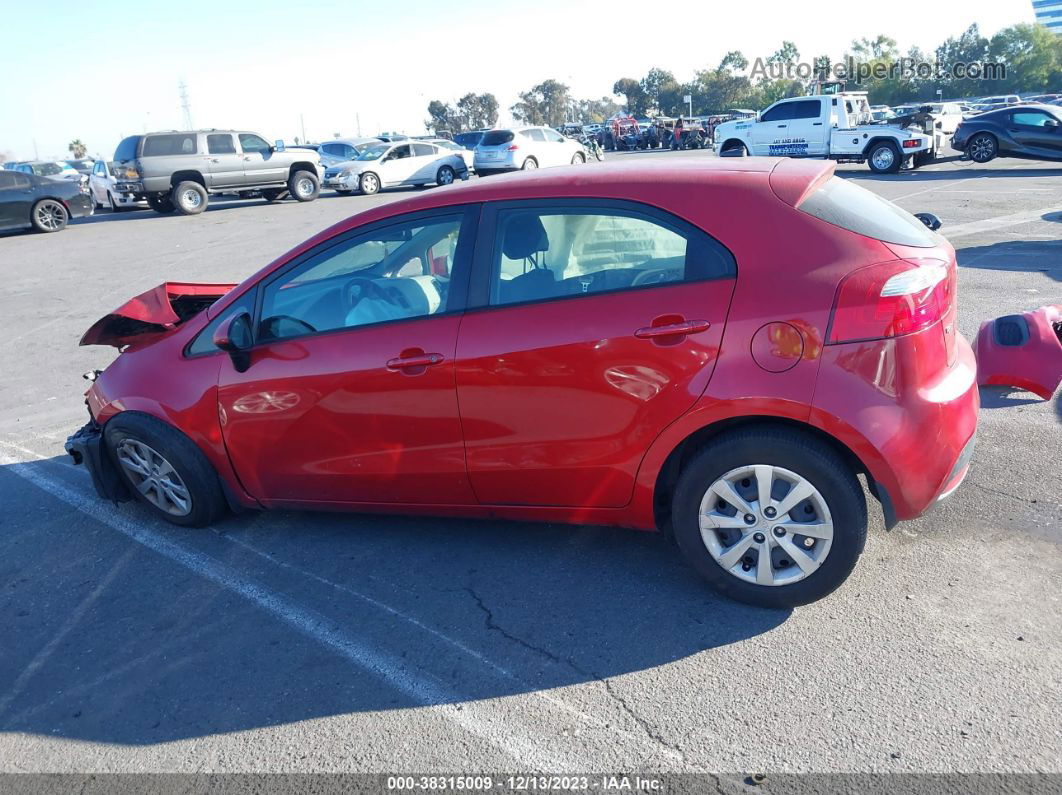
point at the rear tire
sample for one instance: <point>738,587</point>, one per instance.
<point>982,147</point>
<point>806,567</point>
<point>884,158</point>
<point>189,198</point>
<point>164,470</point>
<point>161,204</point>
<point>304,186</point>
<point>446,176</point>
<point>529,165</point>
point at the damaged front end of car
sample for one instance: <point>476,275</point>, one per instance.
<point>141,320</point>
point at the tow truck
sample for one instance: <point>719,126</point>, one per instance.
<point>836,126</point>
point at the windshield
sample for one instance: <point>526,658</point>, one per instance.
<point>374,152</point>
<point>47,169</point>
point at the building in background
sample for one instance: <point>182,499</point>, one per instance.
<point>1049,14</point>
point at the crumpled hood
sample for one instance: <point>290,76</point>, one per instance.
<point>153,313</point>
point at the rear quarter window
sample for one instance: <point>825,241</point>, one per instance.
<point>849,206</point>
<point>496,137</point>
<point>175,144</point>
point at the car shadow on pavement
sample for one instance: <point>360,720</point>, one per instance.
<point>273,618</point>
<point>1005,397</point>
<point>1044,256</point>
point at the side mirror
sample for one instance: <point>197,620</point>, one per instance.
<point>930,220</point>
<point>278,145</point>
<point>1052,123</point>
<point>235,338</point>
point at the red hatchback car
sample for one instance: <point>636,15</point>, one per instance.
<point>713,349</point>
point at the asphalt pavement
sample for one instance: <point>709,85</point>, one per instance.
<point>303,642</point>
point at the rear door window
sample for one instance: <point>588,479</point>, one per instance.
<point>544,252</point>
<point>849,206</point>
<point>423,150</point>
<point>220,144</point>
<point>175,144</point>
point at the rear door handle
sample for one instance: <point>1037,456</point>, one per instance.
<point>673,329</point>
<point>783,125</point>
<point>408,362</point>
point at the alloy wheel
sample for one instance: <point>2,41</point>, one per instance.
<point>154,477</point>
<point>51,215</point>
<point>982,149</point>
<point>766,525</point>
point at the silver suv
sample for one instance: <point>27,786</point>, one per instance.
<point>176,171</point>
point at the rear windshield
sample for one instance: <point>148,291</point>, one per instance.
<point>176,144</point>
<point>469,139</point>
<point>127,148</point>
<point>843,203</point>
<point>496,137</point>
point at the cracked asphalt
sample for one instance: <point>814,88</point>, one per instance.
<point>317,643</point>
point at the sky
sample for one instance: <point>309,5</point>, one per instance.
<point>101,70</point>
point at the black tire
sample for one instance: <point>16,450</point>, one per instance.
<point>49,215</point>
<point>884,158</point>
<point>982,147</point>
<point>578,159</point>
<point>735,150</point>
<point>161,204</point>
<point>802,455</point>
<point>189,198</point>
<point>195,472</point>
<point>304,186</point>
<point>529,165</point>
<point>446,176</point>
<point>273,194</point>
<point>369,183</point>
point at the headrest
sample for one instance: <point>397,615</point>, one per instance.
<point>524,236</point>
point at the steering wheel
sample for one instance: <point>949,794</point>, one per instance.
<point>653,276</point>
<point>359,288</point>
<point>279,327</point>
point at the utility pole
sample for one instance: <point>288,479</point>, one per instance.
<point>357,118</point>
<point>302,124</point>
<point>186,107</point>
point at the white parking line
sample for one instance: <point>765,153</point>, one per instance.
<point>999,222</point>
<point>474,717</point>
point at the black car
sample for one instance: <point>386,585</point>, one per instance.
<point>44,204</point>
<point>1031,131</point>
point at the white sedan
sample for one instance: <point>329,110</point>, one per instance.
<point>386,165</point>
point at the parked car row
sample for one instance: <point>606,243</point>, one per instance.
<point>47,205</point>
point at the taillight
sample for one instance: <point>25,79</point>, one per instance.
<point>512,147</point>
<point>912,143</point>
<point>891,298</point>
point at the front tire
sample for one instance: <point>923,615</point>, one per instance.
<point>369,183</point>
<point>799,547</point>
<point>49,215</point>
<point>982,148</point>
<point>578,159</point>
<point>884,158</point>
<point>304,186</point>
<point>735,150</point>
<point>164,470</point>
<point>189,198</point>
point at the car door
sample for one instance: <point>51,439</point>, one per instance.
<point>99,182</point>
<point>427,160</point>
<point>16,199</point>
<point>807,132</point>
<point>397,167</point>
<point>556,146</point>
<point>1032,130</point>
<point>261,166</point>
<point>592,325</point>
<point>349,393</point>
<point>772,126</point>
<point>224,164</point>
<point>537,147</point>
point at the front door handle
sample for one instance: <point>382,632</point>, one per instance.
<point>411,362</point>
<point>783,125</point>
<point>673,329</point>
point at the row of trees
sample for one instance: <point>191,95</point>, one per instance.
<point>1030,57</point>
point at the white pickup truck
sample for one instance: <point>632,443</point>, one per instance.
<point>834,126</point>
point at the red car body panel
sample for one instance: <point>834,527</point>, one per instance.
<point>542,412</point>
<point>155,311</point>
<point>1029,357</point>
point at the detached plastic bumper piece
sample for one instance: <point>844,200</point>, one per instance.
<point>1023,351</point>
<point>86,447</point>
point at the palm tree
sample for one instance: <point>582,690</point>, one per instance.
<point>77,149</point>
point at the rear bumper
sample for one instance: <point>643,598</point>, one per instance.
<point>86,447</point>
<point>485,172</point>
